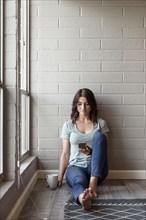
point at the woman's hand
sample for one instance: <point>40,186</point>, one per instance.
<point>87,150</point>
<point>59,184</point>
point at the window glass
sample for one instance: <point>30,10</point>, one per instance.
<point>24,45</point>
<point>24,124</point>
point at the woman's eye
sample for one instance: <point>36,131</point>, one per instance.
<point>85,104</point>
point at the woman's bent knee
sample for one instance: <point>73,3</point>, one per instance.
<point>99,136</point>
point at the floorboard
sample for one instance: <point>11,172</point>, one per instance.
<point>46,204</point>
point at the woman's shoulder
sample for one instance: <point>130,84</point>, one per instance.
<point>100,120</point>
<point>102,124</point>
<point>69,123</point>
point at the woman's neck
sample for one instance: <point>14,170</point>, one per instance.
<point>83,118</point>
<point>84,125</point>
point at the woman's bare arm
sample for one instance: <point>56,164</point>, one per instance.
<point>63,160</point>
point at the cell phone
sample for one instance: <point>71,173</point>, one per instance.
<point>82,145</point>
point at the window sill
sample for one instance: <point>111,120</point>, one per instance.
<point>25,163</point>
<point>6,185</point>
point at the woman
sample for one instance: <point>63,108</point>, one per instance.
<point>84,155</point>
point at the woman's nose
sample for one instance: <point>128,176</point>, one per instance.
<point>83,106</point>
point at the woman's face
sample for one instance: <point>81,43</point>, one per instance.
<point>83,106</point>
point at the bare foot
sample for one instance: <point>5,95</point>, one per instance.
<point>85,200</point>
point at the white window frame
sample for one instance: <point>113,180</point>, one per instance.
<point>24,79</point>
<point>1,87</point>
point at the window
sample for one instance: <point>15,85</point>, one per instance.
<point>1,87</point>
<point>24,77</point>
<point>25,103</point>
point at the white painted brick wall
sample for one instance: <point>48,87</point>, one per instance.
<point>99,44</point>
<point>102,33</point>
<point>79,22</point>
<point>123,3</point>
<point>134,33</point>
<point>9,89</point>
<point>123,22</point>
<point>123,44</point>
<point>58,55</point>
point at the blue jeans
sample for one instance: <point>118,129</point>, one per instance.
<point>78,177</point>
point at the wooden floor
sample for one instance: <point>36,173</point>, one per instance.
<point>46,204</point>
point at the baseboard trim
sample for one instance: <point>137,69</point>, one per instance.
<point>127,174</point>
<point>41,174</point>
<point>22,199</point>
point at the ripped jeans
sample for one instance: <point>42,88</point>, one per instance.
<point>78,177</point>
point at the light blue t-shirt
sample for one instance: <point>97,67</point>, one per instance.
<point>70,131</point>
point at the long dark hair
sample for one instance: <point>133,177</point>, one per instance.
<point>88,94</point>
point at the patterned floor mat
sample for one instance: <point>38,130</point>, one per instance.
<point>128,209</point>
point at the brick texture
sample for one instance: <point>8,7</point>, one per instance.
<point>99,44</point>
